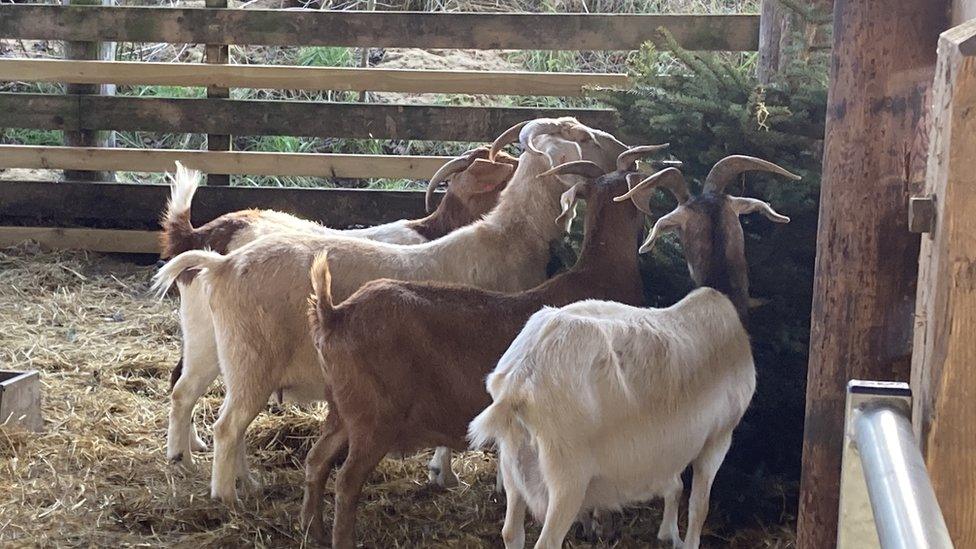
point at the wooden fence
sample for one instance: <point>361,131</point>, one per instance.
<point>89,206</point>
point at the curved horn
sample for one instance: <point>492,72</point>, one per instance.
<point>726,169</point>
<point>449,168</point>
<point>540,126</point>
<point>669,178</point>
<point>510,135</point>
<point>584,168</point>
<point>630,157</point>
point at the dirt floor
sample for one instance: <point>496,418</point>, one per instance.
<point>98,476</point>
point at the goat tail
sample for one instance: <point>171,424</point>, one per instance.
<point>196,260</point>
<point>321,307</point>
<point>178,235</point>
<point>497,422</point>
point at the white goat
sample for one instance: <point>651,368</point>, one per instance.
<point>257,293</point>
<point>599,404</point>
<point>471,194</point>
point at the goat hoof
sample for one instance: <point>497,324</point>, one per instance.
<point>315,527</point>
<point>178,458</point>
<point>228,499</point>
<point>198,445</point>
<point>435,475</point>
<point>673,542</point>
<point>250,485</point>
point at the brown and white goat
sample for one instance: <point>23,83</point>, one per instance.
<point>597,405</point>
<point>422,382</point>
<point>473,191</point>
<point>257,293</point>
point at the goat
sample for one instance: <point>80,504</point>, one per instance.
<point>471,194</point>
<point>599,404</point>
<point>422,383</point>
<point>257,293</point>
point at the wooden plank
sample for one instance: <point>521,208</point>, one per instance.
<point>353,166</point>
<point>129,206</point>
<point>866,265</point>
<point>237,117</point>
<point>551,31</point>
<point>217,54</point>
<point>96,240</point>
<point>561,84</point>
<point>944,361</point>
<point>102,51</point>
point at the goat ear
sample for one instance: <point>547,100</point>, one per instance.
<point>485,176</point>
<point>666,224</point>
<point>568,202</point>
<point>742,205</point>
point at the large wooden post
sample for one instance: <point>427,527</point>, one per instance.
<point>944,360</point>
<point>98,51</point>
<point>866,267</point>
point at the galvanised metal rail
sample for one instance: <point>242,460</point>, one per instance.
<point>886,497</point>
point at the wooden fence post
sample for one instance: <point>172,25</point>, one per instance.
<point>866,265</point>
<point>944,360</point>
<point>99,51</point>
<point>217,54</point>
<point>785,33</point>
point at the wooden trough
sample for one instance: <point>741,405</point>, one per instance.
<point>20,399</point>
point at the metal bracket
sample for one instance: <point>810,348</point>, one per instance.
<point>921,214</point>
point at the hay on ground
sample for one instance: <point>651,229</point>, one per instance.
<point>98,474</point>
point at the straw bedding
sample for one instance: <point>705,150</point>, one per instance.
<point>98,474</point>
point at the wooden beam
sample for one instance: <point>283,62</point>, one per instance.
<point>96,240</point>
<point>353,166</point>
<point>561,84</point>
<point>217,54</point>
<point>138,206</point>
<point>236,117</point>
<point>102,51</point>
<point>944,359</point>
<point>866,266</point>
<point>552,31</point>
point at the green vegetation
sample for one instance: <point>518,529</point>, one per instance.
<point>20,136</point>
<point>325,57</point>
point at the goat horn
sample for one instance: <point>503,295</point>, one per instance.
<point>584,168</point>
<point>449,168</point>
<point>726,169</point>
<point>669,178</point>
<point>510,135</point>
<point>629,157</point>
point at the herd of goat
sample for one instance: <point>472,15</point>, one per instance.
<point>444,332</point>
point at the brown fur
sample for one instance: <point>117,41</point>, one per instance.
<point>714,244</point>
<point>456,211</point>
<point>421,383</point>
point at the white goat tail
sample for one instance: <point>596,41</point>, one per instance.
<point>184,186</point>
<point>495,422</point>
<point>193,259</point>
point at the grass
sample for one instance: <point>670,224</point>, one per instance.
<point>22,136</point>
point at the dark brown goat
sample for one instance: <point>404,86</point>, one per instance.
<point>421,382</point>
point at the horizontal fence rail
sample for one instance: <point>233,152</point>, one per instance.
<point>349,166</point>
<point>299,118</point>
<point>96,240</point>
<point>374,29</point>
<point>560,84</point>
<point>137,206</point>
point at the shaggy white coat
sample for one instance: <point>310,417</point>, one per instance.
<point>598,404</point>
